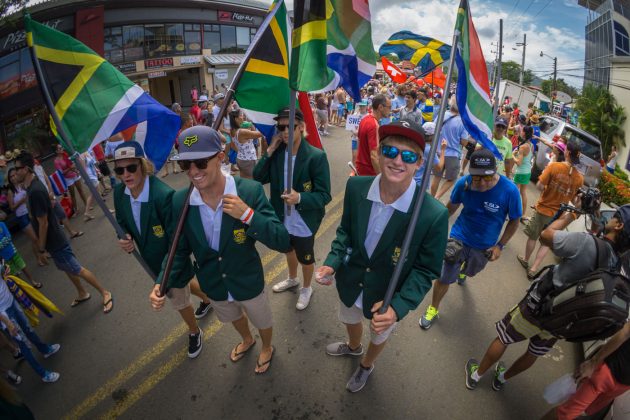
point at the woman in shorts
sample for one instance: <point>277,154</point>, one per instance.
<point>523,162</point>
<point>244,140</point>
<point>71,175</point>
<point>17,203</point>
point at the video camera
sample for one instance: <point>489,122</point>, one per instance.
<point>591,199</point>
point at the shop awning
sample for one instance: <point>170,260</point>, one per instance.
<point>224,59</point>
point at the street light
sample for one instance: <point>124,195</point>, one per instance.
<point>555,73</point>
<point>522,44</point>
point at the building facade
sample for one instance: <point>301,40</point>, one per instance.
<point>167,47</point>
<point>620,88</point>
<point>607,37</point>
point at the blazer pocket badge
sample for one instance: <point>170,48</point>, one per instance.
<point>240,236</point>
<point>158,231</point>
<point>308,186</point>
<point>396,255</point>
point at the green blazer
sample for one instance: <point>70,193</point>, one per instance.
<point>356,273</point>
<point>311,178</point>
<point>236,267</point>
<point>154,238</point>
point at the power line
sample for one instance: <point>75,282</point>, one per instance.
<point>541,10</point>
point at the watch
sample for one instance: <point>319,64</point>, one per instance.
<point>500,245</point>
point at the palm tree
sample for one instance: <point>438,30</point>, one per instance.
<point>602,116</point>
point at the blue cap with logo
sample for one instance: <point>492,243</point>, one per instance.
<point>128,150</point>
<point>198,142</point>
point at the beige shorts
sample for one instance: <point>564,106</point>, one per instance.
<point>536,225</point>
<point>257,309</point>
<point>180,298</point>
<point>354,315</point>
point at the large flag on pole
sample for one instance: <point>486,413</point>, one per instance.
<point>93,99</point>
<point>473,87</point>
<point>263,89</point>
<point>424,52</point>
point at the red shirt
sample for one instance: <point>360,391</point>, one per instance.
<point>195,111</point>
<point>368,141</point>
<point>98,152</point>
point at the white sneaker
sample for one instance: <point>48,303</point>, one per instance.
<point>304,299</point>
<point>285,285</point>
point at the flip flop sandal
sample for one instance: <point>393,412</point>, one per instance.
<point>80,301</point>
<point>268,362</point>
<point>37,285</point>
<point>239,355</point>
<point>524,263</point>
<point>76,235</point>
<point>531,275</point>
<point>110,300</point>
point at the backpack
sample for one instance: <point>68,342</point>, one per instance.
<point>592,308</point>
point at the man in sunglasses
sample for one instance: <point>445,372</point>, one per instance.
<point>226,217</point>
<point>376,214</point>
<point>487,199</point>
<point>307,196</point>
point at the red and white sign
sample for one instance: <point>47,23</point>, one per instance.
<point>394,72</point>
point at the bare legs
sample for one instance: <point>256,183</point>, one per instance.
<point>355,333</point>
<point>307,270</point>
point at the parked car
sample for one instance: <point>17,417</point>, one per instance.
<point>590,158</point>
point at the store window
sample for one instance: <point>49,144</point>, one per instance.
<point>133,42</point>
<point>211,39</point>
<point>242,38</point>
<point>622,43</point>
<point>113,44</point>
<point>228,39</point>
<point>193,38</point>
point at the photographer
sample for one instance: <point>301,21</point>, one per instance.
<point>578,253</point>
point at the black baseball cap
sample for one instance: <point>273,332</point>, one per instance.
<point>483,162</point>
<point>501,121</point>
<point>198,142</point>
<point>405,128</point>
<point>284,113</point>
<point>623,213</point>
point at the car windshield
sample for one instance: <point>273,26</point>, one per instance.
<point>548,126</point>
<point>589,147</point>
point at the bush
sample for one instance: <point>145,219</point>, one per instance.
<point>619,173</point>
<point>614,189</point>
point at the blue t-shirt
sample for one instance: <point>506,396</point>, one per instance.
<point>418,176</point>
<point>483,214</point>
<point>7,250</point>
<point>453,131</point>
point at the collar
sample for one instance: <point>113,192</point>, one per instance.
<point>230,188</point>
<point>403,202</point>
<point>144,195</point>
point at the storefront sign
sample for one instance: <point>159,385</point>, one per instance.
<point>221,74</point>
<point>156,63</point>
<point>190,60</point>
<point>155,74</point>
<point>235,17</point>
<point>127,67</point>
<point>17,39</point>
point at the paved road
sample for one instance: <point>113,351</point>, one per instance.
<point>132,363</point>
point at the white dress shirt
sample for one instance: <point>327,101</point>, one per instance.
<point>136,203</point>
<point>294,223</point>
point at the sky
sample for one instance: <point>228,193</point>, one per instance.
<point>555,27</point>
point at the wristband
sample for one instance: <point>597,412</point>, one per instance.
<point>299,198</point>
<point>500,245</point>
<point>247,216</point>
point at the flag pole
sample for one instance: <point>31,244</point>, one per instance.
<point>75,155</point>
<point>215,125</point>
<point>393,283</point>
<point>289,180</point>
<point>497,82</point>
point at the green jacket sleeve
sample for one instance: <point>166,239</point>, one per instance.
<point>117,206</point>
<point>265,226</point>
<point>344,234</point>
<point>320,194</point>
<point>262,169</point>
<point>427,266</point>
<point>171,215</point>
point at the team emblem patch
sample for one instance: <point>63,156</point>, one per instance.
<point>308,257</point>
<point>308,186</point>
<point>396,255</point>
<point>158,231</point>
<point>240,236</point>
<point>190,140</point>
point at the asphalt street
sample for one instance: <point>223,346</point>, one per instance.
<point>132,362</point>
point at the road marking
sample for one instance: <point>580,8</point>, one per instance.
<point>163,371</point>
<point>175,334</point>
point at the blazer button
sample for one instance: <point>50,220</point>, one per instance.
<point>360,284</point>
<point>220,258</point>
<point>224,275</point>
<point>368,269</point>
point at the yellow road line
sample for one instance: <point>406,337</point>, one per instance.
<point>163,371</point>
<point>175,334</point>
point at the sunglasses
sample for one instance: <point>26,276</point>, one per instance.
<point>483,177</point>
<point>391,152</point>
<point>282,127</point>
<point>199,163</point>
<point>119,170</point>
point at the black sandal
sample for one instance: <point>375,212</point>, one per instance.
<point>268,362</point>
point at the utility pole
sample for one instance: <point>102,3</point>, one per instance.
<point>498,79</point>
<point>555,74</point>
<point>524,45</point>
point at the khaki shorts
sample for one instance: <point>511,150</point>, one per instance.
<point>257,309</point>
<point>180,298</point>
<point>536,225</point>
<point>354,315</point>
<point>246,167</point>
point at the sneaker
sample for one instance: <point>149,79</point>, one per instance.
<point>195,343</point>
<point>497,384</point>
<point>202,310</point>
<point>50,377</point>
<point>285,285</point>
<point>343,349</point>
<point>14,377</point>
<point>304,299</point>
<point>54,348</point>
<point>359,378</point>
<point>429,317</point>
<point>18,355</point>
<point>471,367</point>
<point>461,280</point>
